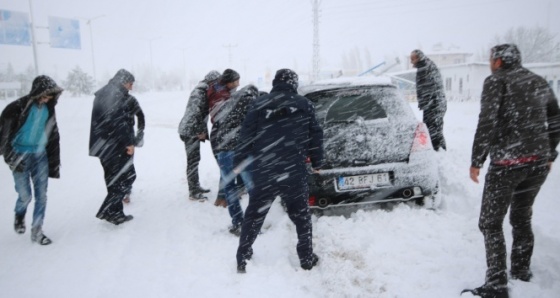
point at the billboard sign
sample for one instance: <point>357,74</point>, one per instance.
<point>14,28</point>
<point>64,33</point>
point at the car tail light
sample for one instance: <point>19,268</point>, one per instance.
<point>422,139</point>
<point>312,200</point>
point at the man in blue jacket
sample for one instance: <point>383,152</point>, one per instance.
<point>278,134</point>
<point>112,140</point>
<point>30,143</point>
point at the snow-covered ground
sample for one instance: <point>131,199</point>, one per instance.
<point>178,248</point>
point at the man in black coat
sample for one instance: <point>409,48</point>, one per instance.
<point>112,139</point>
<point>279,133</point>
<point>136,112</point>
<point>431,96</point>
<point>519,128</point>
<point>193,129</point>
<point>30,143</point>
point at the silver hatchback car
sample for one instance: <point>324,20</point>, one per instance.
<point>376,151</point>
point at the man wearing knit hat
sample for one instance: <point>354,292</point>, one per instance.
<point>221,90</point>
<point>218,92</point>
<point>280,132</point>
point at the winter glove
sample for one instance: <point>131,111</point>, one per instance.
<point>139,140</point>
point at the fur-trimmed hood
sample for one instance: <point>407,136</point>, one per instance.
<point>44,85</point>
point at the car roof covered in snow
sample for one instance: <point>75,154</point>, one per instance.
<point>345,82</point>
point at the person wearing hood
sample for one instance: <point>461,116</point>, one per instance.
<point>225,138</point>
<point>279,133</point>
<point>30,144</point>
<point>112,140</point>
<point>519,129</point>
<point>193,130</point>
<point>431,97</point>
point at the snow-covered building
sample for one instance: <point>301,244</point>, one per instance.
<point>465,81</point>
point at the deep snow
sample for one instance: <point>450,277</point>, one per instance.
<point>178,248</point>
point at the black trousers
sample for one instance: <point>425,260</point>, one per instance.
<point>434,122</point>
<point>192,148</point>
<point>119,177</point>
<point>295,194</point>
<point>513,187</point>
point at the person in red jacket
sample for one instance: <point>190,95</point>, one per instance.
<point>218,93</point>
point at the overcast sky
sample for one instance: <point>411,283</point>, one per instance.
<point>264,35</point>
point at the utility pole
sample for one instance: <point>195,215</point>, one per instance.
<point>316,58</point>
<point>185,77</point>
<point>229,47</point>
<point>150,40</point>
<point>91,43</point>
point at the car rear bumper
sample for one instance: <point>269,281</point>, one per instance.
<point>411,180</point>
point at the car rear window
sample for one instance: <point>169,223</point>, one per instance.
<point>358,103</point>
<point>353,107</point>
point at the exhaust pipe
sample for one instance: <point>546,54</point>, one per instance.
<point>323,202</point>
<point>407,193</point>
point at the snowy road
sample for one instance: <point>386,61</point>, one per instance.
<point>178,248</point>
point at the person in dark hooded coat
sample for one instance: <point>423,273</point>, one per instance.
<point>136,112</point>
<point>112,140</point>
<point>225,138</point>
<point>431,96</point>
<point>279,133</point>
<point>519,128</point>
<point>30,143</point>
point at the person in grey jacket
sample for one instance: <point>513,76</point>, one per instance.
<point>431,96</point>
<point>519,129</point>
<point>193,130</point>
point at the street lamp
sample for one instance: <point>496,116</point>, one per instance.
<point>185,77</point>
<point>151,59</point>
<point>91,43</point>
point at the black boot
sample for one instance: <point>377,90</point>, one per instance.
<point>19,224</point>
<point>522,275</point>
<point>310,265</point>
<point>119,219</point>
<point>488,292</point>
<point>199,189</point>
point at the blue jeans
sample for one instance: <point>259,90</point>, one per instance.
<point>225,161</point>
<point>36,170</point>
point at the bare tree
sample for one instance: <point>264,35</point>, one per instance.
<point>536,44</point>
<point>79,82</point>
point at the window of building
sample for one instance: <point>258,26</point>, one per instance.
<point>460,85</point>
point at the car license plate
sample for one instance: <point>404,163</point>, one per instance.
<point>363,181</point>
